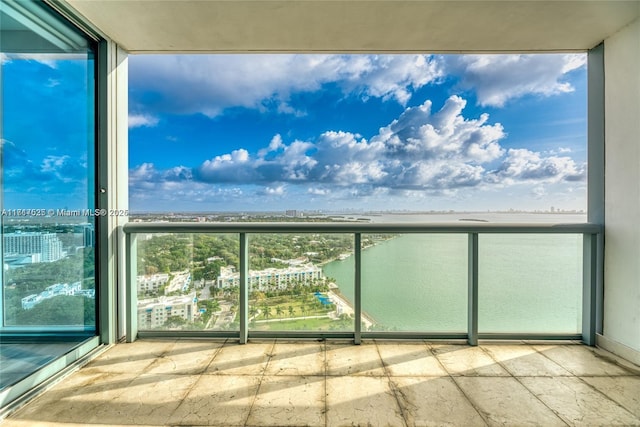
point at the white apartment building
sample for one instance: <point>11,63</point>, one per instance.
<point>75,288</point>
<point>42,247</point>
<point>280,277</point>
<point>154,312</point>
<point>152,282</point>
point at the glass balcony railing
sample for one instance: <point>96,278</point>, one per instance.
<point>352,280</point>
<point>415,282</point>
<point>530,283</point>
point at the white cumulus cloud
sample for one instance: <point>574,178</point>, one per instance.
<point>529,166</point>
<point>421,152</point>
<point>418,150</point>
<point>209,84</point>
<point>496,79</point>
<point>142,120</point>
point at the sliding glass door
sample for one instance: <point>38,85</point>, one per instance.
<point>47,187</point>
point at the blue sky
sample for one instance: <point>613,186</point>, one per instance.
<point>309,132</point>
<point>363,132</point>
<point>47,132</point>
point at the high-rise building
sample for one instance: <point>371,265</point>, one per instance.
<point>45,246</point>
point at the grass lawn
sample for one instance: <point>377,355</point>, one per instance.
<point>297,302</point>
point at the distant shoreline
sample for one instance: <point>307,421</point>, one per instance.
<point>336,296</point>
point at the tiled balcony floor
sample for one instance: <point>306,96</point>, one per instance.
<point>381,383</point>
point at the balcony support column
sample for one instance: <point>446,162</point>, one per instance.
<point>131,296</point>
<point>472,315</point>
<point>243,307</point>
<point>357,251</point>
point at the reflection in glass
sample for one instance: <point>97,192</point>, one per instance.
<point>188,282</point>
<point>47,195</point>
<point>47,184</point>
<point>530,283</point>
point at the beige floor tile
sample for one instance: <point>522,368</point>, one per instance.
<point>468,361</point>
<point>112,391</point>
<point>580,360</point>
<point>289,401</point>
<point>71,400</point>
<point>22,423</point>
<point>524,360</point>
<point>185,357</point>
<point>614,358</point>
<point>362,400</point>
<point>623,390</point>
<point>504,401</point>
<point>413,359</point>
<point>241,359</point>
<point>435,402</point>
<point>577,403</point>
<point>296,359</point>
<point>349,359</point>
<point>149,399</point>
<point>129,358</point>
<point>217,400</point>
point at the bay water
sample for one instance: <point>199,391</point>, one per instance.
<point>528,283</point>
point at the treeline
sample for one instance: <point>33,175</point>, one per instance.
<point>205,254</point>
<point>61,310</point>
<point>34,278</point>
<point>177,252</point>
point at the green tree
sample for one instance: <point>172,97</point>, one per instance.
<point>175,322</point>
<point>62,310</point>
<point>266,311</point>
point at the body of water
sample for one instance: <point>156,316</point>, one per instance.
<point>414,282</point>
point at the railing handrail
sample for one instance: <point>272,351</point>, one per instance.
<point>357,227</point>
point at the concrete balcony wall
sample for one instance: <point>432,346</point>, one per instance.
<point>621,329</point>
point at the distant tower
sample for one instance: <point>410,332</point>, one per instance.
<point>88,238</point>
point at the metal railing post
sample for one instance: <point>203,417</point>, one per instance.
<point>244,289</point>
<point>132,287</point>
<point>589,285</point>
<point>472,315</point>
<point>357,251</point>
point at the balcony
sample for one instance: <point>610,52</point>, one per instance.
<point>332,382</point>
<point>413,348</point>
<point>492,321</point>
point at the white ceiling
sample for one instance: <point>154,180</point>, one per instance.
<point>141,26</point>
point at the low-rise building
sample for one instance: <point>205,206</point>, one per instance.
<point>152,282</point>
<point>31,301</point>
<point>180,282</point>
<point>282,278</point>
<point>74,289</point>
<point>154,312</point>
<point>61,289</point>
